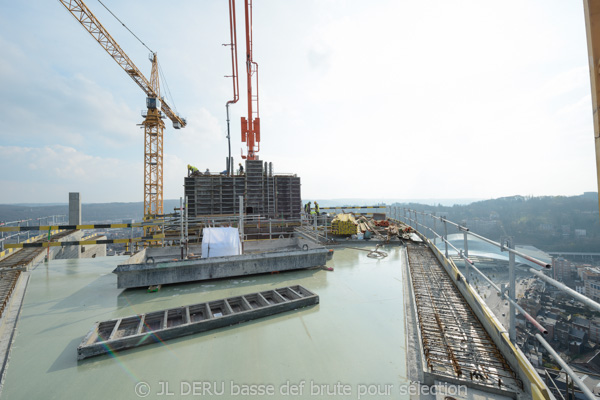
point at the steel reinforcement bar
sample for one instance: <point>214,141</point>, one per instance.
<point>455,343</point>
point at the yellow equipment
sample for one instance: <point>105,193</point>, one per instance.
<point>343,224</point>
<point>153,124</point>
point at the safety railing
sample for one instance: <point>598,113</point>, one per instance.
<point>17,237</point>
<point>411,217</point>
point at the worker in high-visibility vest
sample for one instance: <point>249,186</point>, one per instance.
<point>307,208</point>
<point>192,170</point>
<point>317,209</point>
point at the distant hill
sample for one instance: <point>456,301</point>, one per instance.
<point>94,212</point>
<point>551,223</point>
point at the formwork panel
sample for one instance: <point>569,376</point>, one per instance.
<point>264,194</point>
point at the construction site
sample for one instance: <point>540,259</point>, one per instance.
<point>249,290</point>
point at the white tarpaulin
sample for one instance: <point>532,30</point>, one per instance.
<point>219,242</point>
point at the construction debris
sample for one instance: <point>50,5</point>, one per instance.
<point>348,224</point>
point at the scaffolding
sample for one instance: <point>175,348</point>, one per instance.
<point>264,194</point>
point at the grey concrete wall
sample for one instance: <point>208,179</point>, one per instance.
<point>157,273</point>
<point>67,252</point>
<point>93,250</point>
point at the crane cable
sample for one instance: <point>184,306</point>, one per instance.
<point>117,18</point>
<point>163,78</point>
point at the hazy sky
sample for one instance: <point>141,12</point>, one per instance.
<point>378,99</point>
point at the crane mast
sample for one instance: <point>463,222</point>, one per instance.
<point>251,125</point>
<point>153,150</point>
<point>153,123</point>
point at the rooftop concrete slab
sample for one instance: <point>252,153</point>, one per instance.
<point>354,337</point>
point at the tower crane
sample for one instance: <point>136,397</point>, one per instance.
<point>156,105</point>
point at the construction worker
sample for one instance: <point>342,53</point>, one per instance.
<point>192,170</point>
<point>308,208</point>
<point>241,169</point>
<point>317,210</point>
<point>207,172</point>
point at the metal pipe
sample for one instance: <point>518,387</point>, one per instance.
<point>516,252</point>
<point>445,235</point>
<point>466,251</point>
<point>187,239</point>
<point>566,368</point>
<point>181,226</point>
<point>585,300</point>
<point>512,293</point>
<point>538,326</point>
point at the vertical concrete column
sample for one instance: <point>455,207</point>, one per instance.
<point>74,219</point>
<point>74,208</point>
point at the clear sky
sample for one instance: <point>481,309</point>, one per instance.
<point>361,99</point>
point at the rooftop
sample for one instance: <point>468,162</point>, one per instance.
<point>354,337</point>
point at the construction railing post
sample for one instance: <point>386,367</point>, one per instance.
<point>241,223</point>
<point>512,292</point>
<point>181,226</point>
<point>434,225</point>
<point>187,239</point>
<point>416,220</point>
<point>446,236</point>
<point>466,252</point>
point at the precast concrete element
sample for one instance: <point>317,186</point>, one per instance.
<point>139,330</point>
<point>74,208</point>
<point>166,272</point>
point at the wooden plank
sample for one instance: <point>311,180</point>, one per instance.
<point>164,324</point>
<point>141,324</point>
<point>114,331</point>
<point>246,303</point>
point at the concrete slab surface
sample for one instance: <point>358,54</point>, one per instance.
<point>352,342</point>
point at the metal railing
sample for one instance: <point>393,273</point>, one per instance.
<point>6,237</point>
<point>411,217</point>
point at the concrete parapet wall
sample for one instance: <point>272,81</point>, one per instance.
<point>67,252</point>
<point>93,250</point>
